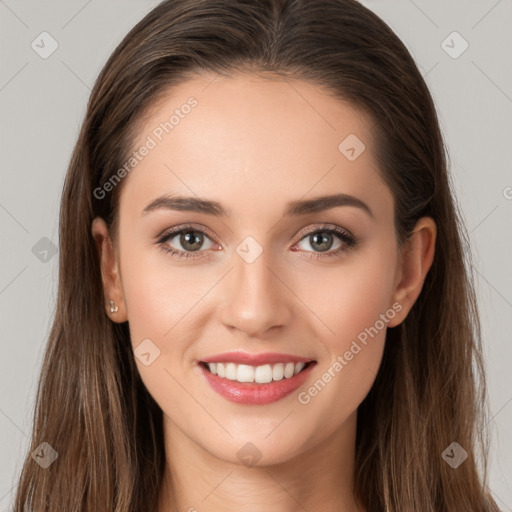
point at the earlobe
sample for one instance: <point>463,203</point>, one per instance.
<point>416,260</point>
<point>111,278</point>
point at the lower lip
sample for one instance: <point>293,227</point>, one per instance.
<point>255,394</point>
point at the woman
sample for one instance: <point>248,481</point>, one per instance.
<point>263,298</point>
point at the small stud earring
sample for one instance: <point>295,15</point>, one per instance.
<point>113,308</point>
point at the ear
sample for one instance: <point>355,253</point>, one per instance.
<point>111,277</point>
<point>416,258</point>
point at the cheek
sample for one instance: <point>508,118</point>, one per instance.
<point>155,291</point>
<point>354,312</point>
<point>163,301</point>
<point>350,296</point>
<point>151,310</point>
<point>159,313</point>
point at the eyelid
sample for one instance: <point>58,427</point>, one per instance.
<point>182,227</point>
<point>327,227</point>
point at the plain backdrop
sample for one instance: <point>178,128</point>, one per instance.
<point>42,103</point>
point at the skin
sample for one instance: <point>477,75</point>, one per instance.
<point>253,145</point>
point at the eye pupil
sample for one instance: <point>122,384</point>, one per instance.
<point>323,238</point>
<point>188,237</point>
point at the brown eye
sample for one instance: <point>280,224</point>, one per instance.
<point>191,240</point>
<point>185,241</point>
<point>323,240</point>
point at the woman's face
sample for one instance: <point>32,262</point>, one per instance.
<point>266,277</point>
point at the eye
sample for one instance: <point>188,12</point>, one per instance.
<point>188,239</point>
<point>321,240</point>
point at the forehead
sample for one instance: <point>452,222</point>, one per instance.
<point>230,138</point>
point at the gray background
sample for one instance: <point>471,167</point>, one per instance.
<point>42,103</point>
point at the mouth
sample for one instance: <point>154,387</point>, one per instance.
<point>255,385</point>
<point>262,374</point>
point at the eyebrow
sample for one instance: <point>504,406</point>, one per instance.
<point>293,208</point>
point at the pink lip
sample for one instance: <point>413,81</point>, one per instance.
<point>255,394</point>
<point>255,359</point>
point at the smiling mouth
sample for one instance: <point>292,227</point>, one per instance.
<point>262,374</point>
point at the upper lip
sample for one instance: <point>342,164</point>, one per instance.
<point>255,359</point>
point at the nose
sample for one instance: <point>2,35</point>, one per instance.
<point>256,298</point>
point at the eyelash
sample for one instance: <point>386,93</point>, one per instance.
<point>349,241</point>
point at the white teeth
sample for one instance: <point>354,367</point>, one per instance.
<point>231,371</point>
<point>263,374</point>
<point>245,373</point>
<point>221,370</point>
<point>289,370</point>
<point>260,374</point>
<point>278,371</point>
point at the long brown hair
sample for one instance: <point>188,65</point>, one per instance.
<point>92,407</point>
